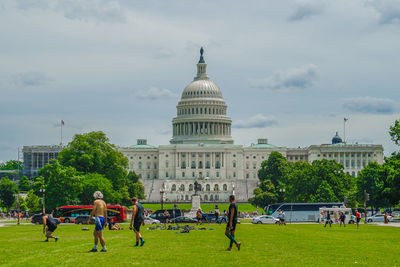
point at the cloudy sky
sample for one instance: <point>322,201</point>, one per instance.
<point>290,71</point>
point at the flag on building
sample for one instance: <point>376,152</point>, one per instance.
<point>62,122</point>
<point>346,119</point>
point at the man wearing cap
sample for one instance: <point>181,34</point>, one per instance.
<point>100,219</point>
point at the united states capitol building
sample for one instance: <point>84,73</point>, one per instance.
<point>202,150</point>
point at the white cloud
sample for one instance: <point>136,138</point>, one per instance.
<point>154,93</point>
<point>295,78</point>
<point>257,121</point>
<point>369,104</point>
<point>33,78</point>
<point>306,9</point>
<point>389,10</point>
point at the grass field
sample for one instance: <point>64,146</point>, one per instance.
<point>262,245</point>
<point>205,207</point>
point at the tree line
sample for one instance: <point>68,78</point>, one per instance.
<point>89,163</point>
<point>325,181</point>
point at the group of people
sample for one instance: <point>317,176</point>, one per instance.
<point>342,219</point>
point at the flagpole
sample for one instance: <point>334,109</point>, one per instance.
<point>344,131</point>
<point>61,132</point>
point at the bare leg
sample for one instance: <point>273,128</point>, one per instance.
<point>138,236</point>
<point>96,238</point>
<point>102,240</point>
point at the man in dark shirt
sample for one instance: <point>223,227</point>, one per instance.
<point>328,219</point>
<point>231,224</point>
<point>51,227</point>
<point>137,220</point>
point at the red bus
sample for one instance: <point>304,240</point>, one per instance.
<point>67,214</point>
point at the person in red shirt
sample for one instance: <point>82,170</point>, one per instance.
<point>358,219</point>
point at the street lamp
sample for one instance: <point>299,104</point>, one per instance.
<point>42,190</point>
<point>162,192</point>
<point>282,191</point>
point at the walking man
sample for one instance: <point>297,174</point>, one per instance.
<point>100,219</point>
<point>231,224</point>
<point>328,219</point>
<point>358,219</point>
<point>282,217</point>
<point>51,227</point>
<point>137,220</point>
<point>342,219</point>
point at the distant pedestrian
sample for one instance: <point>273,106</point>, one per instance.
<point>281,217</point>
<point>328,219</point>
<point>216,212</point>
<point>51,225</point>
<point>358,219</point>
<point>199,217</point>
<point>231,225</point>
<point>342,219</point>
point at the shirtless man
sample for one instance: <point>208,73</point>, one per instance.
<point>100,219</point>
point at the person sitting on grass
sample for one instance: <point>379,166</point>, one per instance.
<point>51,224</point>
<point>166,215</point>
<point>199,216</point>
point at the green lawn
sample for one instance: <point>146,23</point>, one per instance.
<point>262,245</point>
<point>205,207</point>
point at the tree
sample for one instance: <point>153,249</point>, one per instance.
<point>63,184</point>
<point>135,186</point>
<point>93,182</point>
<point>93,153</point>
<point>11,165</point>
<point>324,193</point>
<point>22,204</point>
<point>24,184</point>
<point>395,132</point>
<point>38,183</point>
<point>273,169</point>
<point>371,180</point>
<point>264,194</point>
<point>8,190</point>
<point>300,184</point>
<point>33,202</point>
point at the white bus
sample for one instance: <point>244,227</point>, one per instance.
<point>299,212</point>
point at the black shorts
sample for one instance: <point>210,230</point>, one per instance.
<point>358,220</point>
<point>231,229</point>
<point>282,220</point>
<point>136,225</point>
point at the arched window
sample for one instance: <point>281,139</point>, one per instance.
<point>234,174</point>
<point>225,187</point>
<point>211,197</point>
<point>140,165</point>
<point>173,188</point>
<point>234,164</point>
<point>191,187</point>
<point>216,187</point>
<point>217,164</point>
<point>193,165</point>
<point>205,197</point>
<point>186,197</point>
<point>182,187</point>
<point>207,187</point>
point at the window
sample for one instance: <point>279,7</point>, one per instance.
<point>148,165</point>
<point>234,164</point>
<point>207,187</point>
<point>193,165</point>
<point>183,174</point>
<point>183,165</point>
<point>200,165</point>
<point>166,164</point>
<point>193,155</point>
<point>148,176</point>
<point>247,175</point>
<point>166,174</point>
<point>207,164</point>
<point>217,165</point>
<point>216,187</point>
<point>173,187</point>
<point>225,187</point>
<point>206,197</point>
<point>140,165</point>
<point>190,187</point>
<point>182,187</point>
<point>155,165</point>
<point>193,175</point>
<point>234,174</point>
<point>254,165</point>
<point>247,166</point>
<point>217,174</point>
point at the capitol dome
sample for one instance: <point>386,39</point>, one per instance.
<point>336,139</point>
<point>201,112</point>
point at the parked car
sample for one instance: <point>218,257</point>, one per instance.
<point>159,214</point>
<point>265,219</point>
<point>37,219</point>
<point>149,220</point>
<point>83,219</point>
<point>183,219</point>
<point>378,218</point>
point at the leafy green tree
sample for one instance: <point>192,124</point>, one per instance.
<point>300,183</point>
<point>324,193</point>
<point>392,183</point>
<point>11,165</point>
<point>38,183</point>
<point>93,153</point>
<point>395,132</point>
<point>22,204</point>
<point>33,202</point>
<point>274,169</point>
<point>264,194</point>
<point>135,186</point>
<point>93,182</point>
<point>24,184</point>
<point>63,185</point>
<point>371,179</point>
<point>8,190</point>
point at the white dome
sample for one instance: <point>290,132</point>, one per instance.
<point>201,88</point>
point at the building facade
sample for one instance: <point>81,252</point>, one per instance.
<point>202,150</point>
